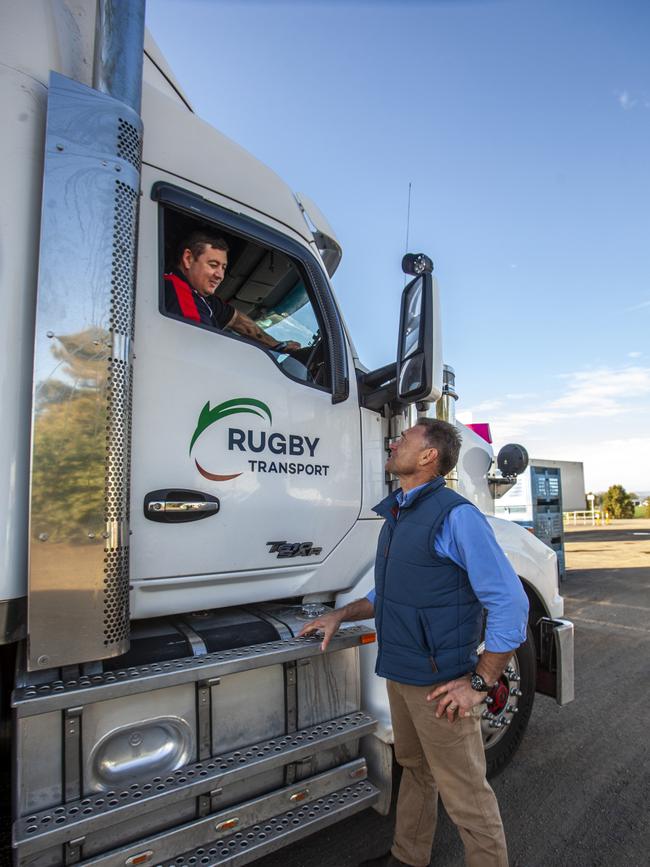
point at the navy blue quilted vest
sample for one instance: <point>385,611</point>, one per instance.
<point>428,618</point>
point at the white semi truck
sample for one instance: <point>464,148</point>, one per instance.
<point>178,500</point>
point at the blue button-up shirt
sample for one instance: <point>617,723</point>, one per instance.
<point>467,539</point>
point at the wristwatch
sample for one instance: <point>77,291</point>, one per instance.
<point>281,346</point>
<point>478,683</point>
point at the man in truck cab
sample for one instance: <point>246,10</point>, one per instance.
<point>438,567</point>
<point>190,291</point>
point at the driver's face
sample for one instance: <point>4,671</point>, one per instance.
<point>205,272</point>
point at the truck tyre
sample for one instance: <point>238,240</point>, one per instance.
<point>504,725</point>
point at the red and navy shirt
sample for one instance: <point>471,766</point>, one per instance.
<point>182,300</point>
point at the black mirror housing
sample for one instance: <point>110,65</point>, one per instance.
<point>419,350</point>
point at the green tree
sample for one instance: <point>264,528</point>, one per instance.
<point>618,502</point>
<point>68,497</point>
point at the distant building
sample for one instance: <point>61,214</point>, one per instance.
<point>545,490</point>
<point>574,496</point>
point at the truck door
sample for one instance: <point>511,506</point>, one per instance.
<point>246,462</point>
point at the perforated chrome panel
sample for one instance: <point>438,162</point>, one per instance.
<point>129,143</point>
<point>119,397</point>
<point>79,569</point>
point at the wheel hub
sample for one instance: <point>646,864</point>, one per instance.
<point>501,705</point>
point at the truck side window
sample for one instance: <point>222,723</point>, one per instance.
<point>265,284</point>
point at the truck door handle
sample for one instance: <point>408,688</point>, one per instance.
<point>177,506</point>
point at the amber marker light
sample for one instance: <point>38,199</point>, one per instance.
<point>299,796</point>
<point>368,638</point>
<point>140,858</point>
<point>358,773</point>
<point>227,825</point>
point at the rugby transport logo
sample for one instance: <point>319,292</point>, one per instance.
<point>274,445</point>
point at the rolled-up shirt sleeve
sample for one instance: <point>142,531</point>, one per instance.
<point>467,538</point>
<point>371,596</point>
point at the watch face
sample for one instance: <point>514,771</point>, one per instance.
<point>478,683</point>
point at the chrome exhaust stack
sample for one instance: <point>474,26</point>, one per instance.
<point>119,46</point>
<point>446,411</point>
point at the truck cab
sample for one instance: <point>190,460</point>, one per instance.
<point>182,498</point>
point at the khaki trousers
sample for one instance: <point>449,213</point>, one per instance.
<point>438,757</point>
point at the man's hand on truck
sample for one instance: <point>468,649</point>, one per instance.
<point>328,624</point>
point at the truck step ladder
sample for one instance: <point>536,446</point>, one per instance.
<point>211,833</point>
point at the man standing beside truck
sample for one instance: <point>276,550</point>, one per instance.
<point>438,566</point>
<point>190,291</point>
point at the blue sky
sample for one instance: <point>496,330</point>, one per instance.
<point>524,129</point>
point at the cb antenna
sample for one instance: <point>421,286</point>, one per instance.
<point>408,225</point>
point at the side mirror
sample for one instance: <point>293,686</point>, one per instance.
<point>419,351</point>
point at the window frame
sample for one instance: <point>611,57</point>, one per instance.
<point>169,196</point>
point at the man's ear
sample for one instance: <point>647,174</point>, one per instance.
<point>186,258</point>
<point>430,456</point>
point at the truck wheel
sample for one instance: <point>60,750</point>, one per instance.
<point>504,724</point>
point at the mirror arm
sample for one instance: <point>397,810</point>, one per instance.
<point>377,398</point>
<point>378,377</point>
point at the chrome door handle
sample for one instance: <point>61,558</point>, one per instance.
<point>174,506</point>
<point>182,506</point>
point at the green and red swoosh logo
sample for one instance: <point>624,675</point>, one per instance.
<point>209,416</point>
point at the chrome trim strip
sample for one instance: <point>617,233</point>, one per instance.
<point>57,695</point>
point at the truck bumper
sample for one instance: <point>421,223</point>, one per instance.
<point>555,672</point>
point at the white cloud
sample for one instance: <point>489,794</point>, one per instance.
<point>602,391</point>
<point>524,395</point>
<point>625,100</point>
<point>616,461</point>
<point>640,306</point>
<point>596,418</point>
<point>487,406</point>
<point>634,354</point>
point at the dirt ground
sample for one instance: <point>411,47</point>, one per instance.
<point>617,545</point>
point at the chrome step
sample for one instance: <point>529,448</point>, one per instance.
<point>76,692</point>
<point>261,839</point>
<point>312,803</point>
<point>76,819</point>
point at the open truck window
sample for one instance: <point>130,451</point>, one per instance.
<point>264,283</point>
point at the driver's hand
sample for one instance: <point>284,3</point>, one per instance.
<point>292,346</point>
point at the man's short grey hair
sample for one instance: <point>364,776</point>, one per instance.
<point>445,438</point>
